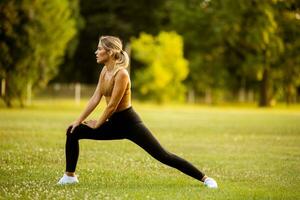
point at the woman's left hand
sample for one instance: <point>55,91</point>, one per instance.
<point>90,123</point>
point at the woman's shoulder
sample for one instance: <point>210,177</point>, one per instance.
<point>122,74</point>
<point>121,71</point>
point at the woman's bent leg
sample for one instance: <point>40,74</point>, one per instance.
<point>71,151</point>
<point>106,132</point>
<point>143,137</point>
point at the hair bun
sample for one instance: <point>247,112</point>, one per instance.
<point>114,45</point>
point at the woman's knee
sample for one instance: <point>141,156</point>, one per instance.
<point>68,130</point>
<point>74,134</point>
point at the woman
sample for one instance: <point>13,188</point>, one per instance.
<point>119,120</point>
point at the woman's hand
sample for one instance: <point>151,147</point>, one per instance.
<point>90,123</point>
<point>73,126</point>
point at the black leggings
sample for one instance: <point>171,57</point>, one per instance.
<point>125,124</point>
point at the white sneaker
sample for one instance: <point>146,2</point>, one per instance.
<point>210,183</point>
<point>67,180</point>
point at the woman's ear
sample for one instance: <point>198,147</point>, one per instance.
<point>110,53</point>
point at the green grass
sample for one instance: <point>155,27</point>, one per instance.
<point>252,153</point>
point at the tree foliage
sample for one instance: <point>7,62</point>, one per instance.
<point>34,36</point>
<point>237,45</point>
<point>165,68</point>
<point>120,18</point>
<point>287,71</point>
<point>248,46</point>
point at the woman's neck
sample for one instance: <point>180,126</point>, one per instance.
<point>110,65</point>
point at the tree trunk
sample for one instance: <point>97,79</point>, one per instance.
<point>298,95</point>
<point>208,96</point>
<point>264,100</point>
<point>288,94</point>
<point>7,102</point>
<point>7,99</point>
<point>22,105</point>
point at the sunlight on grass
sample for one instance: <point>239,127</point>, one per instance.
<point>252,153</point>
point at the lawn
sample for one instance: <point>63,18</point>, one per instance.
<point>252,153</point>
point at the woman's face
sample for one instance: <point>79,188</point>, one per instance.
<point>101,54</point>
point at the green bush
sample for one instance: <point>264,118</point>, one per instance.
<point>165,67</point>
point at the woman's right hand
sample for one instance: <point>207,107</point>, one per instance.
<point>73,126</point>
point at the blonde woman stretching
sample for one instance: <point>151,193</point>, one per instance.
<point>119,120</point>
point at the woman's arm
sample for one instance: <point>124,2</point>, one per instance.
<point>121,81</point>
<point>93,102</point>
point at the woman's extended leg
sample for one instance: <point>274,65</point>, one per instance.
<point>143,137</point>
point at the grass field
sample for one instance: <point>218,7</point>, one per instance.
<point>252,153</point>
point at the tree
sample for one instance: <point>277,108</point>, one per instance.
<point>287,72</point>
<point>236,44</point>
<point>161,79</point>
<point>66,68</point>
<point>200,25</point>
<point>120,18</point>
<point>34,36</point>
<point>256,42</point>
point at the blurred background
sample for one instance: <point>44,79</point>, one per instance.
<point>184,51</point>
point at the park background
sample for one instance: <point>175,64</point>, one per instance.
<point>218,83</point>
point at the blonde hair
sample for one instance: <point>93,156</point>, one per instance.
<point>115,49</point>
